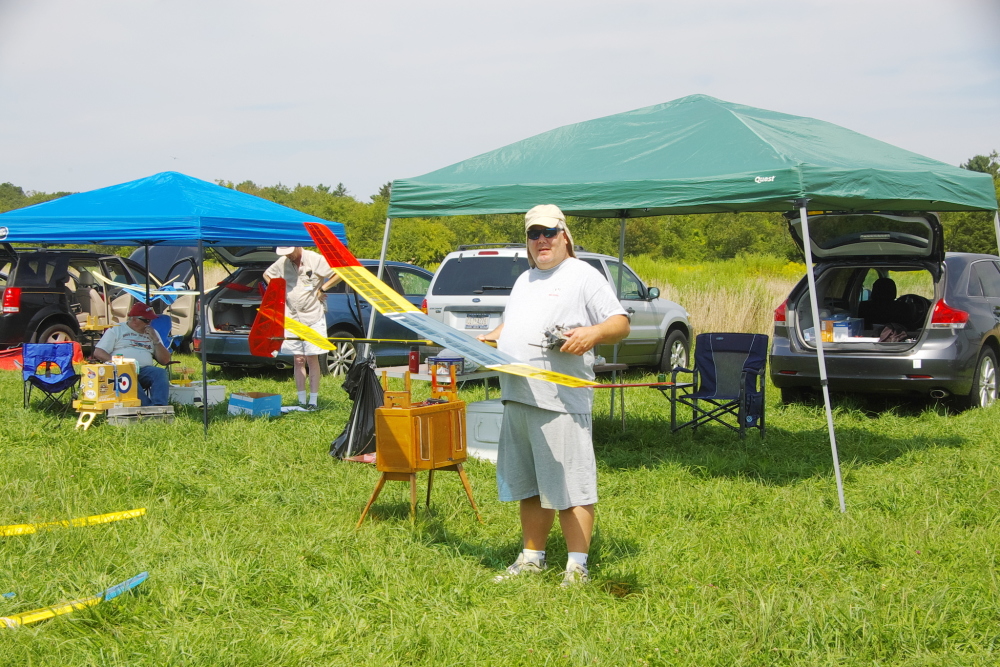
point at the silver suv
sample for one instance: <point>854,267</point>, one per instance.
<point>470,289</point>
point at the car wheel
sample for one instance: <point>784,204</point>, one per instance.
<point>791,395</point>
<point>339,360</point>
<point>56,333</point>
<point>984,383</point>
<point>675,352</point>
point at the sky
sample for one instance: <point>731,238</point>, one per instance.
<point>316,92</point>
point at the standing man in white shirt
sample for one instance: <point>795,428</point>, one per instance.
<point>546,452</point>
<point>306,276</point>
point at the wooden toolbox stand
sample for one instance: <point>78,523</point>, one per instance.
<point>410,437</point>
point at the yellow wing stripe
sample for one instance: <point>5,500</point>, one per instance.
<point>524,370</point>
<point>307,334</point>
<point>383,298</point>
<point>29,528</point>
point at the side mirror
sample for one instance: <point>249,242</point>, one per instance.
<point>653,293</point>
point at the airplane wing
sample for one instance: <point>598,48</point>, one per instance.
<point>139,291</point>
<point>387,301</point>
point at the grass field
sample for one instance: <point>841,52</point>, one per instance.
<point>709,550</point>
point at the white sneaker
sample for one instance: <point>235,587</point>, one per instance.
<point>575,575</point>
<point>521,566</point>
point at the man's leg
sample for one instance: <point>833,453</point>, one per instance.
<point>314,373</point>
<point>153,380</point>
<point>299,373</point>
<point>536,523</point>
<point>577,525</point>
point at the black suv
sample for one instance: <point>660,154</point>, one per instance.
<point>51,295</point>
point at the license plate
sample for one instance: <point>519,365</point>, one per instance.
<point>477,321</point>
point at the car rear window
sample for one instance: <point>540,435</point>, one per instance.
<point>479,275</point>
<point>833,231</point>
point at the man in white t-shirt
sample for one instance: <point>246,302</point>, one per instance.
<point>546,452</point>
<point>306,276</point>
<point>136,339</point>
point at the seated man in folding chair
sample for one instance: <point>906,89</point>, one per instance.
<point>136,339</point>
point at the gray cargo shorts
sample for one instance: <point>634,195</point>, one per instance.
<point>546,454</point>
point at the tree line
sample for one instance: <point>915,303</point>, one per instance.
<point>681,238</point>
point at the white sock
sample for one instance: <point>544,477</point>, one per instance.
<point>302,397</point>
<point>314,398</point>
<point>577,557</point>
<point>534,556</point>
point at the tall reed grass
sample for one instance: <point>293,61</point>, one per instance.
<point>734,295</point>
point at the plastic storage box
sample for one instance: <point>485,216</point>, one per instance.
<point>483,420</point>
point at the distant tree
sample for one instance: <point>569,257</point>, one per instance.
<point>13,197</point>
<point>973,231</point>
<point>340,191</point>
<point>383,192</point>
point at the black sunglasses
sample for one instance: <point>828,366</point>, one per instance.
<point>548,232</point>
<point>143,319</point>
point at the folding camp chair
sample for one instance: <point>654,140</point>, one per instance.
<point>49,367</point>
<point>728,382</point>
<point>163,326</point>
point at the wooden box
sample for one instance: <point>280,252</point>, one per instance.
<point>420,437</point>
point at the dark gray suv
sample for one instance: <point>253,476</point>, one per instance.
<point>899,316</point>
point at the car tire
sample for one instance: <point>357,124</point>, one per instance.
<point>56,333</point>
<point>790,395</point>
<point>984,382</point>
<point>676,351</point>
<point>339,361</point>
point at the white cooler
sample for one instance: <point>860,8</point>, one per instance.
<point>193,394</point>
<point>482,421</point>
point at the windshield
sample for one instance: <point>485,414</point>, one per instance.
<point>479,275</point>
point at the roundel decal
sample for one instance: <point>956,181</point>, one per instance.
<point>124,383</point>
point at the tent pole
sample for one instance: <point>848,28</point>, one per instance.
<point>381,272</point>
<point>618,293</point>
<point>204,329</point>
<point>145,246</point>
<point>817,330</point>
<point>996,228</point>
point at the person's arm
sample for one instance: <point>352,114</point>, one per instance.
<point>160,352</point>
<point>491,336</point>
<point>582,339</point>
<point>100,355</point>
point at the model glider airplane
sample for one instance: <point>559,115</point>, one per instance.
<point>28,617</point>
<point>269,326</point>
<point>166,293</point>
<point>388,302</point>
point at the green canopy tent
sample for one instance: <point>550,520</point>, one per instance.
<point>697,154</point>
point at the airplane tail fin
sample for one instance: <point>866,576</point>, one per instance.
<point>268,328</point>
<point>335,252</point>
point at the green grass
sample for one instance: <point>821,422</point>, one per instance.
<point>709,550</point>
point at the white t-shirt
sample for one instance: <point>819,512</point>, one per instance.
<point>122,339</point>
<point>302,295</point>
<point>572,294</point>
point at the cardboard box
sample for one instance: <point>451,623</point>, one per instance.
<point>483,420</point>
<point>255,404</point>
<point>193,394</point>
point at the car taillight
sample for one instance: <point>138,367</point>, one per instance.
<point>12,300</point>
<point>423,306</point>
<point>946,317</point>
<point>780,312</point>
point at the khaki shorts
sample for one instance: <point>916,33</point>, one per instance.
<point>299,346</point>
<point>546,454</point>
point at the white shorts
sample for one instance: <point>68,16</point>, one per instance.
<point>546,454</point>
<point>299,346</point>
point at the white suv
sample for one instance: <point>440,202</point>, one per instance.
<point>470,289</point>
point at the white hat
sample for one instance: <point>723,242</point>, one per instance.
<point>283,250</point>
<point>548,215</point>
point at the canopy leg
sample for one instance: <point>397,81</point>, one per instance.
<point>814,305</point>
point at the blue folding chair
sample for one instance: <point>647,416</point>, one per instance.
<point>163,326</point>
<point>49,368</point>
<point>728,383</point>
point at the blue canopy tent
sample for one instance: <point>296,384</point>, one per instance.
<point>168,208</point>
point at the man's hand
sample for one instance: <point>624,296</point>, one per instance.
<point>582,339</point>
<point>492,336</point>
